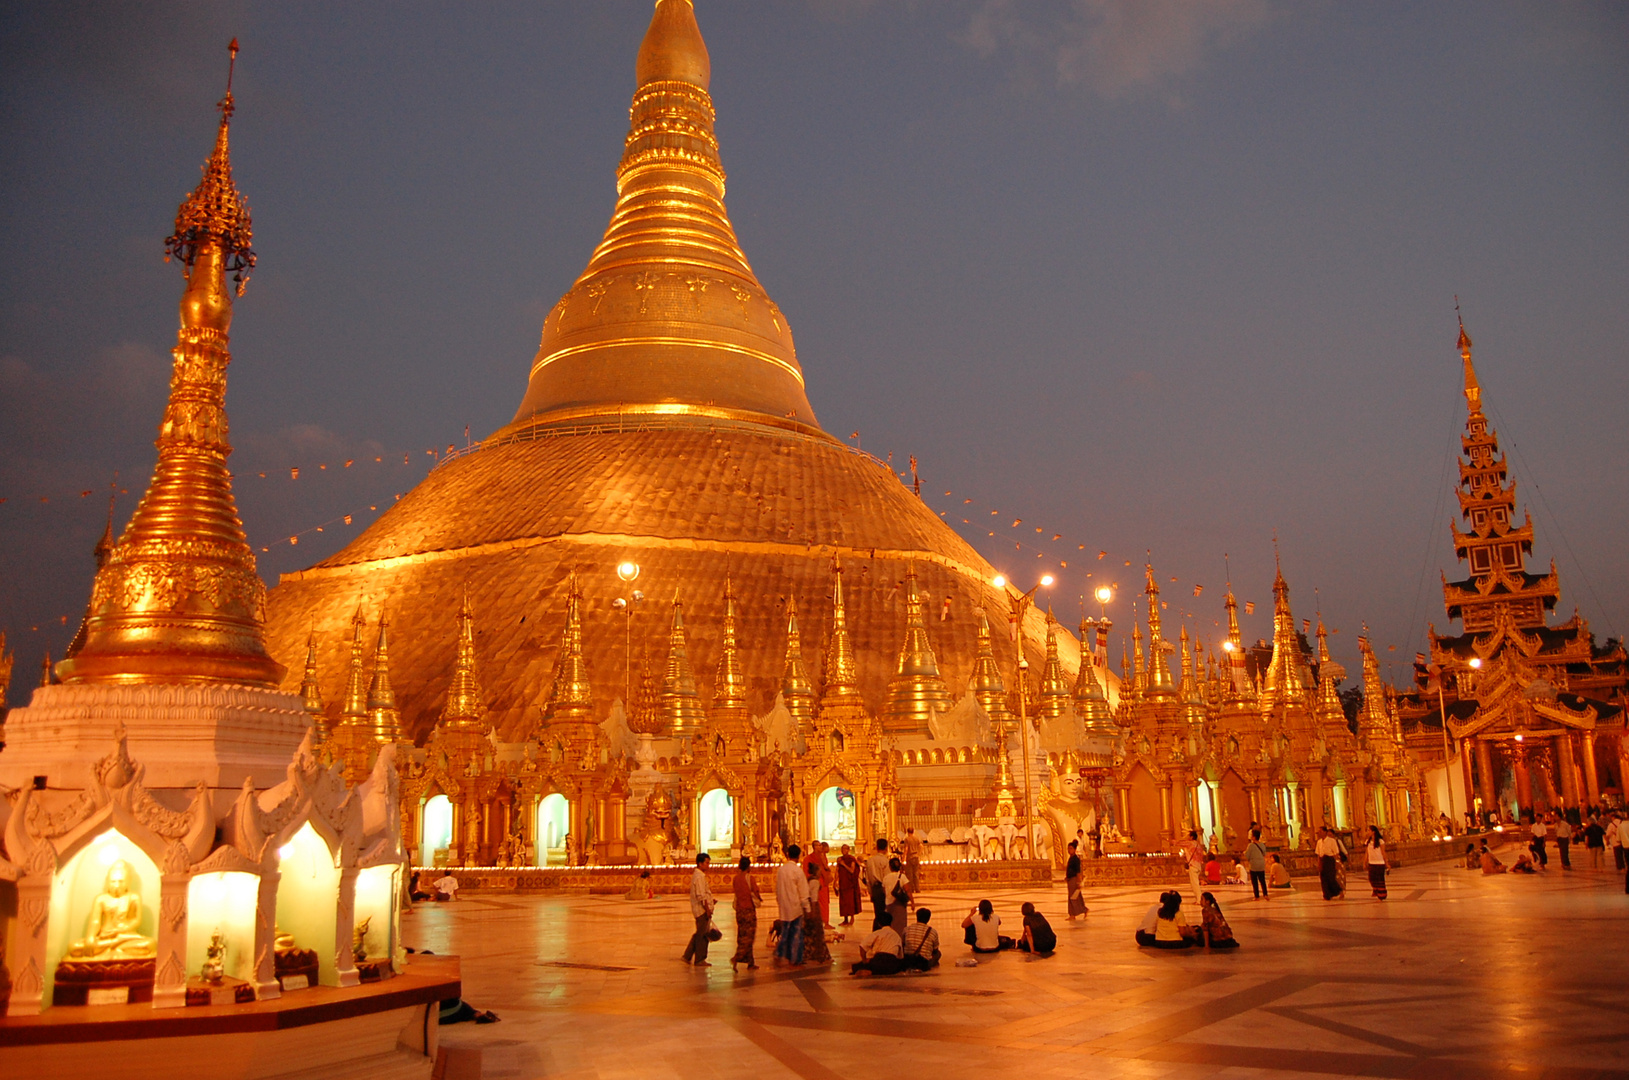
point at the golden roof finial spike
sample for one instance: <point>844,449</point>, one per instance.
<point>673,48</point>
<point>571,698</point>
<point>681,704</point>
<point>1052,697</point>
<point>841,670</point>
<point>354,710</point>
<point>797,690</point>
<point>466,704</point>
<point>381,693</point>
<point>917,690</point>
<point>730,687</point>
<point>1473,388</point>
<point>985,683</point>
<point>178,599</point>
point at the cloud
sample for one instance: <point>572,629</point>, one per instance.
<point>1117,48</point>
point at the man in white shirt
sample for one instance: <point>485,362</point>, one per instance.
<point>701,908</point>
<point>882,952</point>
<point>791,904</point>
<point>1328,850</point>
<point>1539,831</point>
<point>871,875</point>
<point>446,887</point>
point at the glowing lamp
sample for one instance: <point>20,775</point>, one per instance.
<point>627,570</point>
<point>1476,662</point>
<point>999,581</point>
<point>1104,594</point>
<point>1227,646</point>
<point>107,854</point>
<point>1046,579</point>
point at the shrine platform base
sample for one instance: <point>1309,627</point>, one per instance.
<point>675,880</point>
<point>377,1030</point>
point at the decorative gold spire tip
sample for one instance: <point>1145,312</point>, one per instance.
<point>216,212</point>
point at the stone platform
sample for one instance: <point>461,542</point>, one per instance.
<point>675,880</point>
<point>384,1029</point>
<point>1456,977</point>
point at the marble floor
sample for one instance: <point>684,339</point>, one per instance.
<point>1455,976</point>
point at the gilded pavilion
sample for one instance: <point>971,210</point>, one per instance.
<point>1535,712</point>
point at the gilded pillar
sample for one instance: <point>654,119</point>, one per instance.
<point>1485,787</point>
<point>1567,764</point>
<point>1122,809</point>
<point>1165,814</point>
<point>1470,779</point>
<point>1217,813</point>
<point>1592,777</point>
<point>1524,782</point>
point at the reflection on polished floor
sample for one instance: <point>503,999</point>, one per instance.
<point>1456,976</point>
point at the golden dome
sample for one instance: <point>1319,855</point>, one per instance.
<point>664,424</point>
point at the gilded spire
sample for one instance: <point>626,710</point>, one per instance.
<point>1329,673</point>
<point>355,707</point>
<point>1052,699</point>
<point>797,690</point>
<point>311,689</point>
<point>681,705</point>
<point>572,697</point>
<point>46,669</point>
<point>985,683</point>
<point>647,715</point>
<point>381,694</point>
<point>1159,668</point>
<point>1284,683</point>
<point>1473,388</point>
<point>917,690</point>
<point>1139,678</point>
<point>466,704</point>
<point>668,317</point>
<point>841,672</point>
<point>1374,724</point>
<point>730,687</point>
<point>1091,703</point>
<point>178,599</point>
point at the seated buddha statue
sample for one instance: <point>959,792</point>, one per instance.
<point>113,930</point>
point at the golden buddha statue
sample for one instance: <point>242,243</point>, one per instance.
<point>214,969</point>
<point>113,932</point>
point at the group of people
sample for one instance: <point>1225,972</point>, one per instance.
<point>1165,927</point>
<point>1598,832</point>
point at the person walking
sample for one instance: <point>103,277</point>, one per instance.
<point>1193,853</point>
<point>1623,845</point>
<point>1614,838</point>
<point>701,909</point>
<point>791,905</point>
<point>1328,852</point>
<point>848,886</point>
<point>1595,842</point>
<point>747,899</point>
<point>876,867</point>
<point>1071,882</point>
<point>819,870</point>
<point>1255,854</point>
<point>1563,841</point>
<point>1376,850</point>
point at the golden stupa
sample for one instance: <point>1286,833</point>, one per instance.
<point>664,423</point>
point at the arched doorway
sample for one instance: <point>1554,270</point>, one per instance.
<point>835,820</point>
<point>553,822</point>
<point>435,830</point>
<point>308,898</point>
<point>1144,798</point>
<point>716,820</point>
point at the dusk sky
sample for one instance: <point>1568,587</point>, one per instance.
<point>1154,276</point>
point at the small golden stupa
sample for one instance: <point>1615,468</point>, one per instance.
<point>664,424</point>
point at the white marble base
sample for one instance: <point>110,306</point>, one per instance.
<point>182,734</point>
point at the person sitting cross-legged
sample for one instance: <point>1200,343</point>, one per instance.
<point>882,952</point>
<point>921,943</point>
<point>1038,938</point>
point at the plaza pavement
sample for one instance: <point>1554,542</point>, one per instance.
<point>1455,976</point>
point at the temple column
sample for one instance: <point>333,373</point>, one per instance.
<point>1315,800</point>
<point>1165,815</point>
<point>1623,765</point>
<point>1592,777</point>
<point>1122,809</point>
<point>264,976</point>
<point>344,929</point>
<point>170,977</point>
<point>1524,782</point>
<point>1218,822</point>
<point>1566,763</point>
<point>1470,779</point>
<point>1485,787</point>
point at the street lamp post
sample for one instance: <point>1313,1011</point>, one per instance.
<point>1019,602</point>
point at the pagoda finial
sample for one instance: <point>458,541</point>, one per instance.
<point>841,671</point>
<point>466,704</point>
<point>730,687</point>
<point>178,599</point>
<point>917,690</point>
<point>646,717</point>
<point>797,691</point>
<point>311,689</point>
<point>1159,669</point>
<point>571,698</point>
<point>354,709</point>
<point>673,48</point>
<point>1052,697</point>
<point>1284,683</point>
<point>681,704</point>
<point>985,683</point>
<point>381,694</point>
<point>1090,700</point>
<point>1473,388</point>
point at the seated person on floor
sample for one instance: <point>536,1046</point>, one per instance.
<point>1038,936</point>
<point>983,929</point>
<point>882,952</point>
<point>1524,864</point>
<point>1170,929</point>
<point>1213,927</point>
<point>1235,872</point>
<point>921,943</point>
<point>1278,875</point>
<point>1213,869</point>
<point>446,887</point>
<point>1473,861</point>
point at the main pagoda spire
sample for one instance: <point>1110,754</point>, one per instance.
<point>668,319</point>
<point>178,598</point>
